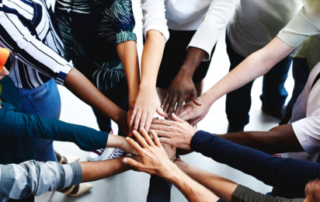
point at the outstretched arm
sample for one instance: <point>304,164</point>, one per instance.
<point>154,160</point>
<point>199,49</point>
<point>147,101</point>
<point>34,178</point>
<point>257,64</point>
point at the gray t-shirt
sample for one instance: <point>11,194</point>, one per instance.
<point>244,194</point>
<point>256,23</point>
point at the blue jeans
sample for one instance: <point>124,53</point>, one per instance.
<point>273,96</point>
<point>119,94</point>
<point>300,72</point>
<point>45,102</point>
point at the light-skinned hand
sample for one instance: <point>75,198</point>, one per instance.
<point>146,105</point>
<point>177,132</point>
<point>154,159</point>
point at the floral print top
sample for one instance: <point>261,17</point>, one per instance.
<point>90,31</point>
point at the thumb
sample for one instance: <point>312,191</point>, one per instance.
<point>132,163</point>
<point>176,118</point>
<point>195,98</point>
<point>161,112</point>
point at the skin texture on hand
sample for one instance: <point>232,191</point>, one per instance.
<point>177,133</point>
<point>147,102</point>
<point>182,86</point>
<point>193,113</point>
<point>154,159</point>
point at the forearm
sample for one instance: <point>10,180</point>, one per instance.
<point>19,125</point>
<point>121,143</point>
<point>80,86</point>
<point>220,186</point>
<point>256,65</point>
<point>127,52</point>
<point>34,178</point>
<point>151,59</point>
<point>277,140</point>
<point>102,169</point>
<point>192,190</point>
<point>192,61</point>
<point>291,173</point>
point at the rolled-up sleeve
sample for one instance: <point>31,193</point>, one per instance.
<point>123,21</point>
<point>303,25</point>
<point>30,50</point>
<point>154,17</point>
<point>34,178</point>
<point>307,131</point>
<point>214,22</point>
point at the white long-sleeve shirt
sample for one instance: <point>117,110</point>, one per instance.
<point>208,17</point>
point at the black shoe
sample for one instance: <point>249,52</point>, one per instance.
<point>276,113</point>
<point>232,129</point>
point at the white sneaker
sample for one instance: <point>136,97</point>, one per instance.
<point>116,153</point>
<point>96,155</point>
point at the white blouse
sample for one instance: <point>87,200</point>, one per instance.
<point>208,17</point>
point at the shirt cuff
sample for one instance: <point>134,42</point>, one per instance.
<point>163,30</point>
<point>63,73</point>
<point>200,141</point>
<point>73,174</point>
<point>125,36</point>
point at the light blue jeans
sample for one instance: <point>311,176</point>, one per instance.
<point>43,101</point>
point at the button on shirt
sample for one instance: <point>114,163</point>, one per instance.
<point>29,30</point>
<point>90,31</point>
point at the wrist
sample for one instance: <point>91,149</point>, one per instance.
<point>169,172</point>
<point>146,87</point>
<point>186,72</point>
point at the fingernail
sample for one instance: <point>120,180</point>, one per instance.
<point>125,160</point>
<point>127,138</point>
<point>130,134</point>
<point>134,131</point>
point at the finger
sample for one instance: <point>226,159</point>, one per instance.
<point>164,140</point>
<point>161,112</point>
<point>164,101</point>
<point>133,116</point>
<point>133,163</point>
<point>155,138</point>
<point>186,117</point>
<point>137,121</point>
<point>146,137</point>
<point>195,99</point>
<point>148,121</point>
<point>143,119</point>
<point>134,145</point>
<point>162,122</point>
<point>195,121</point>
<point>172,106</point>
<point>159,127</point>
<point>176,118</point>
<point>140,139</point>
<point>167,105</point>
<point>179,105</point>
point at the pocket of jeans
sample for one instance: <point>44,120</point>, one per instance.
<point>41,94</point>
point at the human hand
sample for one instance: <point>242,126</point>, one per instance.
<point>129,115</point>
<point>193,113</point>
<point>3,72</point>
<point>146,105</point>
<point>181,88</point>
<point>170,150</point>
<point>177,133</point>
<point>154,159</point>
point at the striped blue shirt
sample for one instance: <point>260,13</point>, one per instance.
<point>19,181</point>
<point>29,30</point>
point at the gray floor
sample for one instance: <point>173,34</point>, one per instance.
<point>133,186</point>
